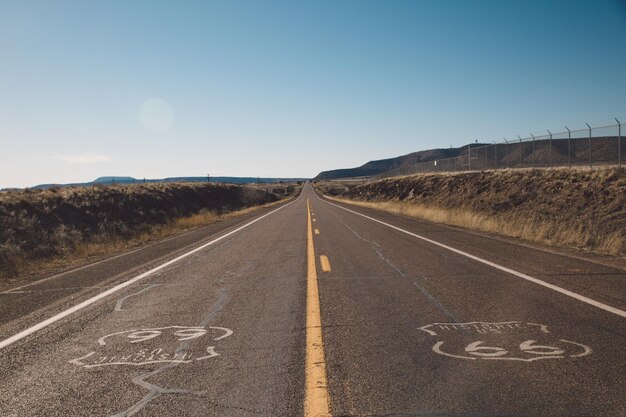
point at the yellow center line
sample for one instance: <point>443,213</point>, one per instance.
<point>325,263</point>
<point>316,401</point>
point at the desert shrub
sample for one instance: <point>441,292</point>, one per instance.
<point>584,209</point>
<point>43,224</point>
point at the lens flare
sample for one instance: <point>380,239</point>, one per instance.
<point>156,115</point>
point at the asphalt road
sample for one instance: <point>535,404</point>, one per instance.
<point>315,307</point>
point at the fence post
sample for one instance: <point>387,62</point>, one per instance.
<point>619,142</point>
<point>569,147</point>
<point>506,150</point>
<point>550,150</point>
<point>521,155</point>
<point>590,159</point>
<point>495,147</point>
<point>534,156</point>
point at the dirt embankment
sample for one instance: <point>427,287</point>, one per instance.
<point>583,209</point>
<point>41,225</point>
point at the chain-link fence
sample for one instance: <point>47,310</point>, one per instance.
<point>589,147</point>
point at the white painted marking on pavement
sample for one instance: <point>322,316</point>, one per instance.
<point>41,325</point>
<point>154,390</point>
<point>502,341</point>
<point>17,290</point>
<point>151,346</point>
<point>437,349</point>
<point>564,291</point>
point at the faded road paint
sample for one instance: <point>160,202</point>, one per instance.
<point>45,323</point>
<point>325,263</point>
<point>316,401</point>
<point>556,288</point>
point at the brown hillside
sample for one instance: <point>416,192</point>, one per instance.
<point>585,209</point>
<point>42,224</point>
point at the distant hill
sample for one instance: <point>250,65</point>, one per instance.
<point>110,180</point>
<point>107,180</point>
<point>382,165</point>
<point>541,153</point>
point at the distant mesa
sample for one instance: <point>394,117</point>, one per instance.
<point>110,180</point>
<point>107,180</point>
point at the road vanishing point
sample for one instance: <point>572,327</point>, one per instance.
<point>318,308</point>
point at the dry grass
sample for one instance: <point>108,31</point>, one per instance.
<point>40,230</point>
<point>536,231</point>
<point>90,251</point>
<point>584,210</point>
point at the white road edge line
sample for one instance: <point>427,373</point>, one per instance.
<point>24,333</point>
<point>569,293</point>
<point>82,267</point>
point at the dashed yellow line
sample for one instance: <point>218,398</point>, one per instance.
<point>316,401</point>
<point>317,231</point>
<point>325,263</point>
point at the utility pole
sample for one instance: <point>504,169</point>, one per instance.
<point>569,147</point>
<point>590,156</point>
<point>208,177</point>
<point>495,147</point>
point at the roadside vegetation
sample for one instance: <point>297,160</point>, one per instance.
<point>42,229</point>
<point>575,208</point>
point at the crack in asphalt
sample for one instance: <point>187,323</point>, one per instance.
<point>437,304</point>
<point>118,304</point>
<point>156,391</point>
<point>377,248</point>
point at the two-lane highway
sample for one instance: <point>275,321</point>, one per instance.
<point>417,326</point>
<point>317,308</point>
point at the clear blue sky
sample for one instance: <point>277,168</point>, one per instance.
<point>290,88</point>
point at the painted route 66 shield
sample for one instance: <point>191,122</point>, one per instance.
<point>511,340</point>
<point>172,344</point>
